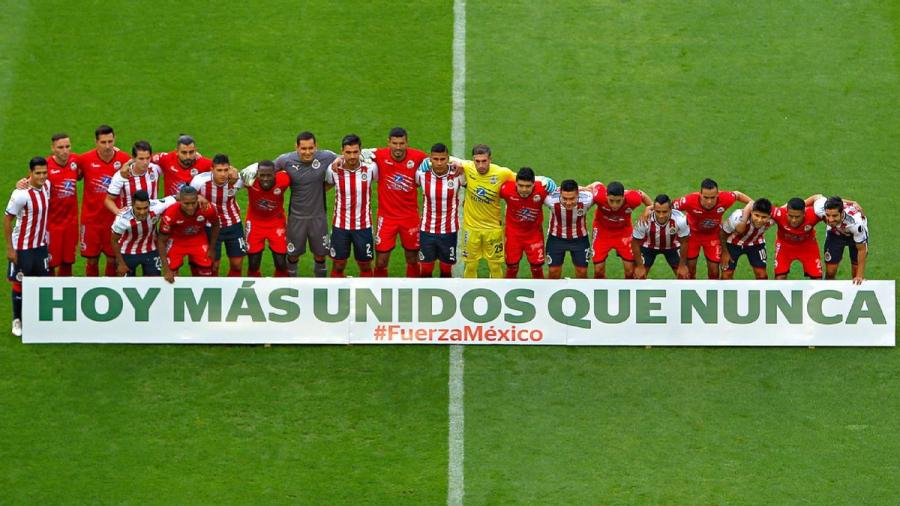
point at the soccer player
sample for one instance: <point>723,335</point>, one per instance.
<point>796,239</point>
<point>134,234</point>
<point>704,211</point>
<point>137,174</point>
<point>307,222</point>
<point>182,165</point>
<point>847,228</point>
<point>440,216</point>
<point>524,222</point>
<point>398,203</point>
<point>62,221</point>
<point>98,167</point>
<point>352,222</point>
<point>665,232</point>
<point>265,216</point>
<point>744,233</point>
<point>217,187</point>
<point>26,244</point>
<point>568,233</point>
<point>612,225</point>
<point>185,224</point>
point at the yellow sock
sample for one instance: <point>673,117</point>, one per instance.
<point>471,270</point>
<point>496,269</point>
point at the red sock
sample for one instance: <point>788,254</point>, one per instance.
<point>537,271</point>
<point>92,270</point>
<point>64,270</point>
<point>512,271</point>
<point>257,274</point>
<point>365,273</point>
<point>234,273</point>
<point>110,269</point>
<point>412,270</point>
<point>446,270</point>
<point>280,273</point>
<point>336,274</point>
<point>425,269</point>
<point>52,271</point>
<point>381,272</point>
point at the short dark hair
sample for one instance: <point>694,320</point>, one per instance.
<point>351,140</point>
<point>397,132</point>
<point>834,202</point>
<point>103,130</point>
<point>439,147</point>
<point>568,185</point>
<point>662,198</point>
<point>305,136</point>
<point>481,149</point>
<point>59,136</point>
<point>615,189</point>
<point>796,204</point>
<point>185,140</point>
<point>221,159</point>
<point>37,161</point>
<point>525,174</point>
<point>187,190</point>
<point>762,206</point>
<point>266,163</point>
<point>141,146</point>
<point>140,196</point>
<point>708,184</point>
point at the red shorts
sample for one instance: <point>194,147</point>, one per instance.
<point>612,239</point>
<point>197,253</point>
<point>532,245</point>
<point>712,247</point>
<point>386,231</point>
<point>259,231</point>
<point>96,240</point>
<point>806,252</point>
<point>63,241</point>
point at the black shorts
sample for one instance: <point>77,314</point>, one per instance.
<point>233,238</point>
<point>30,262</point>
<point>149,262</point>
<point>756,255</point>
<point>362,240</point>
<point>649,256</point>
<point>437,247</point>
<point>834,248</point>
<point>579,249</point>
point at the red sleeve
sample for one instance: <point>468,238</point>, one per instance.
<point>212,215</point>
<point>418,156</point>
<point>811,217</point>
<point>633,198</point>
<point>778,214</point>
<point>727,199</point>
<point>600,194</point>
<point>282,180</point>
<point>682,203</point>
<point>505,190</point>
<point>165,224</point>
<point>160,158</point>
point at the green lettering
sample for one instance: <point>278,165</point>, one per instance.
<point>467,305</point>
<point>426,305</point>
<point>210,303</point>
<point>404,305</point>
<point>731,307</point>
<point>582,308</point>
<point>515,300</point>
<point>140,304</point>
<point>290,310</point>
<point>814,307</point>
<point>382,310</point>
<point>865,305</point>
<point>89,304</point>
<point>691,302</point>
<point>320,305</point>
<point>46,304</point>
<point>776,302</point>
<point>644,305</point>
<point>601,306</point>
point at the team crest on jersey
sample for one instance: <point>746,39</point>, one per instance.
<point>364,176</point>
<point>277,191</point>
<point>73,165</point>
<point>536,198</point>
<point>720,210</point>
<point>152,176</point>
<point>194,172</point>
<point>580,212</point>
<point>628,210</point>
<point>117,165</point>
<point>807,228</point>
<point>231,192</point>
<point>19,276</point>
<point>316,164</point>
<point>410,164</point>
<point>672,231</point>
<point>450,184</point>
<point>493,179</point>
<point>200,218</point>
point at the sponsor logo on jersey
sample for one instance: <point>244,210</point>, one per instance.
<point>95,165</point>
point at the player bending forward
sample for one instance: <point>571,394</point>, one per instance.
<point>185,224</point>
<point>744,233</point>
<point>665,233</point>
<point>847,228</point>
<point>134,235</point>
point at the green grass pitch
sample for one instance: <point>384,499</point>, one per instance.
<point>776,99</point>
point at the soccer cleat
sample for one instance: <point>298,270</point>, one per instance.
<point>17,327</point>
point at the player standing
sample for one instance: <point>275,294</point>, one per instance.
<point>265,216</point>
<point>524,222</point>
<point>665,232</point>
<point>847,228</point>
<point>62,221</point>
<point>217,187</point>
<point>352,221</point>
<point>796,239</point>
<point>185,224</point>
<point>744,233</point>
<point>440,216</point>
<point>180,166</point>
<point>134,234</point>
<point>137,174</point>
<point>612,225</point>
<point>568,233</point>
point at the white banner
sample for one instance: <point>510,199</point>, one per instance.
<point>459,311</point>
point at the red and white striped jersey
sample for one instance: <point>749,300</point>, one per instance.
<point>31,209</point>
<point>854,223</point>
<point>751,237</point>
<point>440,203</point>
<point>352,195</point>
<point>565,223</point>
<point>137,237</point>
<point>123,188</point>
<point>221,197</point>
<point>662,236</point>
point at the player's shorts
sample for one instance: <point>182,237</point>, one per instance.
<point>711,245</point>
<point>258,232</point>
<point>437,247</point>
<point>486,244</point>
<point>301,231</point>
<point>834,248</point>
<point>606,240</point>
<point>362,242</point>
<point>197,253</point>
<point>807,253</point>
<point>756,255</point>
<point>29,262</point>
<point>579,249</point>
<point>63,240</point>
<point>531,245</point>
<point>387,229</point>
<point>232,237</point>
<point>671,255</point>
<point>149,262</point>
<point>96,240</point>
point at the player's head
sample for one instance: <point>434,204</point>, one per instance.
<point>221,167</point>
<point>760,212</point>
<point>265,174</point>
<point>351,145</point>
<point>568,194</point>
<point>796,209</point>
<point>141,153</point>
<point>398,141</point>
<point>615,195</point>
<point>61,146</point>
<point>662,208</point>
<point>306,146</point>
<point>186,149</point>
<point>105,138</point>
<point>709,194</point>
<point>834,210</point>
<point>440,159</point>
<point>481,155</point>
<point>187,199</point>
<point>140,204</point>
<point>37,171</point>
<point>525,181</point>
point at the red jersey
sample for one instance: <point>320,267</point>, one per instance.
<point>174,175</point>
<point>63,190</point>
<point>805,232</point>
<point>97,176</point>
<point>268,206</point>
<point>187,229</point>
<point>352,195</point>
<point>397,197</point>
<point>441,202</point>
<point>524,215</point>
<point>705,222</point>
<point>619,219</point>
<point>568,223</point>
<point>221,197</point>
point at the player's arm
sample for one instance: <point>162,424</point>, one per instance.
<point>121,266</point>
<point>7,233</point>
<point>742,197</point>
<point>726,254</point>
<point>162,239</point>
<point>113,192</point>
<point>682,270</point>
<point>812,199</point>
<point>640,270</point>
<point>741,226</point>
<point>213,238</point>
<point>862,250</point>
<point>645,199</point>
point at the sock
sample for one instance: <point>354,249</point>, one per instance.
<point>280,273</point>
<point>446,270</point>
<point>471,270</point>
<point>17,300</point>
<point>381,272</point>
<point>496,269</point>
<point>537,271</point>
<point>292,268</point>
<point>52,271</point>
<point>425,269</point>
<point>92,270</point>
<point>64,270</point>
<point>234,273</point>
<point>110,269</point>
<point>512,271</point>
<point>257,274</point>
<point>365,273</point>
<point>319,269</point>
<point>205,272</point>
<point>412,270</point>
<point>336,274</point>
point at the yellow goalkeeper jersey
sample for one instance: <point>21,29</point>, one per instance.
<point>481,207</point>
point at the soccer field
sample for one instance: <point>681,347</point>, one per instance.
<point>776,99</point>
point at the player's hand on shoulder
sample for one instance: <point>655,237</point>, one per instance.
<point>125,171</point>
<point>23,184</point>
